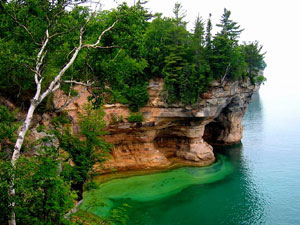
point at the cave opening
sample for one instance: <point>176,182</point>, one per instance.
<point>212,132</point>
<point>169,142</point>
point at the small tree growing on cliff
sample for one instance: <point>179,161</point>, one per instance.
<point>84,147</point>
<point>43,26</point>
<point>227,61</point>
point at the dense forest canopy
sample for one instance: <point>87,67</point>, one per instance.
<point>46,45</point>
<point>141,46</point>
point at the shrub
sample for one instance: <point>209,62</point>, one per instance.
<point>260,79</point>
<point>135,118</point>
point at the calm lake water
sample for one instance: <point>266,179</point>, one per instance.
<point>257,182</point>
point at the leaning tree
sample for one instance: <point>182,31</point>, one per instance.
<point>47,37</point>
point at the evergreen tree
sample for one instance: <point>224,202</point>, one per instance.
<point>157,37</point>
<point>199,32</point>
<point>179,15</point>
<point>175,64</point>
<point>208,37</point>
<point>176,61</point>
<point>129,55</point>
<point>229,29</point>
<point>227,61</point>
<point>254,59</point>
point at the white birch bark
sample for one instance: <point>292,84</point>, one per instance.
<point>39,97</point>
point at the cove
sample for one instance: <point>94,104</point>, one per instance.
<point>153,187</point>
<point>256,182</point>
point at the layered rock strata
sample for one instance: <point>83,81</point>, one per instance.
<point>172,131</point>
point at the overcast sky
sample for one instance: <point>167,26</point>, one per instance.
<point>274,23</point>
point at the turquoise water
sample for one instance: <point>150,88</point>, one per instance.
<point>257,182</point>
<point>153,187</point>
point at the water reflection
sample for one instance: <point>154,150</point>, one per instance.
<point>253,121</point>
<point>247,204</point>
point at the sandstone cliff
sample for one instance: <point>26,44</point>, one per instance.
<point>172,132</point>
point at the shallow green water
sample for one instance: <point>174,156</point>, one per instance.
<point>257,182</point>
<point>153,187</point>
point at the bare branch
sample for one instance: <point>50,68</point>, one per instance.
<point>28,32</point>
<point>89,66</point>
<point>71,52</point>
<point>226,72</point>
<point>55,87</point>
<point>67,103</point>
<point>117,54</point>
<point>87,84</point>
<point>98,3</point>
<point>40,58</point>
<point>14,17</point>
<point>103,47</point>
<point>39,95</point>
<point>61,33</point>
<point>56,81</point>
<point>100,36</point>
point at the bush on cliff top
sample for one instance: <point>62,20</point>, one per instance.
<point>141,49</point>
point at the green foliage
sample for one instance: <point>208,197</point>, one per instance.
<point>157,37</point>
<point>208,35</point>
<point>260,79</point>
<point>7,124</point>
<point>174,71</point>
<point>229,29</point>
<point>90,185</point>
<point>5,183</point>
<point>138,50</point>
<point>85,148</point>
<point>46,185</point>
<point>23,25</point>
<point>135,118</point>
<point>40,128</point>
<point>42,196</point>
<point>8,128</point>
<point>123,67</point>
<point>60,120</point>
<point>255,60</point>
<point>227,61</point>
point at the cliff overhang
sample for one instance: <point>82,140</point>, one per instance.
<point>173,131</point>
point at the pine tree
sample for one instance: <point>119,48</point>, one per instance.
<point>199,31</point>
<point>179,14</point>
<point>229,28</point>
<point>227,61</point>
<point>208,36</point>
<point>254,58</point>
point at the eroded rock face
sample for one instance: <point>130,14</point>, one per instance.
<point>173,131</point>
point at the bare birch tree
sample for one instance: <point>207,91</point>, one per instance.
<point>41,92</point>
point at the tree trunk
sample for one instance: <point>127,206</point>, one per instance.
<point>39,97</point>
<point>16,154</point>
<point>22,133</point>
